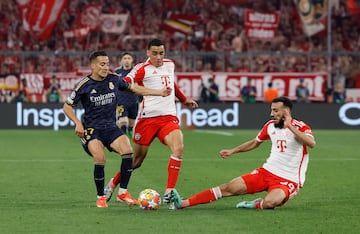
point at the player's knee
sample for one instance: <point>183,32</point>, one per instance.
<point>226,190</point>
<point>99,158</point>
<point>178,151</point>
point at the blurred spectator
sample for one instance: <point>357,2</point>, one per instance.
<point>209,45</point>
<point>329,95</point>
<point>218,29</point>
<point>204,96</point>
<point>237,42</point>
<point>24,87</point>
<point>302,92</point>
<point>339,76</point>
<point>53,91</point>
<point>20,97</point>
<point>270,93</point>
<point>248,93</point>
<point>23,93</point>
<point>6,96</point>
<point>339,94</point>
<point>213,91</point>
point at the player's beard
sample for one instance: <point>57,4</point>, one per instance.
<point>280,124</point>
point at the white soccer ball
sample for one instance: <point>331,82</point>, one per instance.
<point>149,199</point>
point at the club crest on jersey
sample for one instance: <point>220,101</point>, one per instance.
<point>137,136</point>
<point>111,85</point>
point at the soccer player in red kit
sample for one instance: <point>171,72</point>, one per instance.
<point>157,116</point>
<point>283,173</point>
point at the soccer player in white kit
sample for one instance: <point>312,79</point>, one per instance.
<point>283,173</point>
<point>157,116</point>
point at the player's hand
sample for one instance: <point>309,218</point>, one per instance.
<point>191,103</point>
<point>166,91</point>
<point>225,153</point>
<point>79,130</point>
<point>287,118</point>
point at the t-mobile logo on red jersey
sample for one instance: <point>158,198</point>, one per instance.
<point>281,144</point>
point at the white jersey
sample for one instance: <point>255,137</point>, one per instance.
<point>288,157</point>
<point>152,77</point>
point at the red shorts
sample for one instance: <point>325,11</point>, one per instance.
<point>146,129</point>
<point>262,180</point>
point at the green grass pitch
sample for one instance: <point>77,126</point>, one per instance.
<point>47,187</point>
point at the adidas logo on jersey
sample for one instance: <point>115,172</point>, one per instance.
<point>93,91</point>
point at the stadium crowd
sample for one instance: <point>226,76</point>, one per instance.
<point>218,28</point>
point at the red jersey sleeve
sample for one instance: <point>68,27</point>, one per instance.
<point>303,127</point>
<point>136,75</point>
<point>263,135</point>
<point>179,94</point>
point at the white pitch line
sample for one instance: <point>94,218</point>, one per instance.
<point>215,132</point>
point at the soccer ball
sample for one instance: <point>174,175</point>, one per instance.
<point>149,199</point>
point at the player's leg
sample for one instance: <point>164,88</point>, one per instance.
<point>123,147</point>
<point>139,155</point>
<point>96,149</point>
<point>140,149</point>
<point>274,198</point>
<point>174,140</point>
<point>279,190</point>
<point>140,152</point>
<point>130,128</point>
<point>145,131</point>
<point>235,187</point>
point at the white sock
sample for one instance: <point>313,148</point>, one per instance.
<point>122,190</point>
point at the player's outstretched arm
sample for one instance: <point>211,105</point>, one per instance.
<point>247,146</point>
<point>181,96</point>
<point>141,90</point>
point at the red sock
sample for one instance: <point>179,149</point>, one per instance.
<point>203,197</point>
<point>116,179</point>
<point>258,204</point>
<point>174,166</point>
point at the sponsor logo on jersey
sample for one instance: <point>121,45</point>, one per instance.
<point>93,91</point>
<point>103,99</point>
